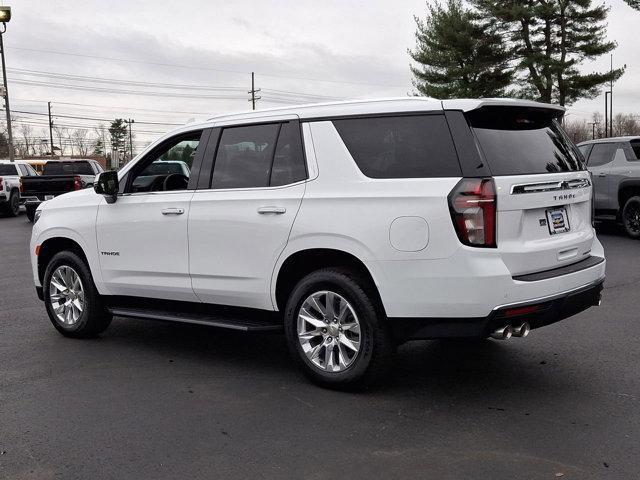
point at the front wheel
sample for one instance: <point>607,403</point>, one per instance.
<point>631,217</point>
<point>334,331</point>
<point>71,298</point>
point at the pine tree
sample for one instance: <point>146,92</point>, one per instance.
<point>634,4</point>
<point>118,132</point>
<point>459,55</point>
<point>550,39</point>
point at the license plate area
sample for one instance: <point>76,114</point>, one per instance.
<point>48,197</point>
<point>557,220</point>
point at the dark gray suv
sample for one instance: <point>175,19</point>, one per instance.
<point>615,165</point>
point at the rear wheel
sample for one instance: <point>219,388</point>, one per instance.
<point>335,332</point>
<point>631,217</point>
<point>71,298</point>
<point>13,208</point>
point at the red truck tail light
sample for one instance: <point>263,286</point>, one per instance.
<point>77,183</point>
<point>1,185</point>
<point>21,185</point>
<point>472,204</point>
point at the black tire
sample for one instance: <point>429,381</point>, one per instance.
<point>373,360</point>
<point>94,318</point>
<point>13,205</point>
<point>31,212</point>
<point>631,217</point>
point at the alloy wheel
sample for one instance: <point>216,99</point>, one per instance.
<point>66,294</point>
<point>329,331</point>
<point>632,217</point>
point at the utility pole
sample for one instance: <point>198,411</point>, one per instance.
<point>6,96</point>
<point>611,101</point>
<point>606,113</point>
<point>130,121</point>
<point>593,130</point>
<point>50,128</point>
<point>253,92</point>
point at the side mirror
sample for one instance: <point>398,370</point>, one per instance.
<point>106,183</point>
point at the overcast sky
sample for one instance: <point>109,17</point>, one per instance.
<point>322,49</point>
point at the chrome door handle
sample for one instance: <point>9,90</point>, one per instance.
<point>173,211</point>
<point>602,174</point>
<point>276,210</point>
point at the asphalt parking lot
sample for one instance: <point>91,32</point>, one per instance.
<point>152,400</point>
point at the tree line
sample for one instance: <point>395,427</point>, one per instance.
<point>527,49</point>
<point>100,140</point>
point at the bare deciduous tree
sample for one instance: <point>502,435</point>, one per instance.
<point>79,139</point>
<point>27,139</point>
<point>61,134</point>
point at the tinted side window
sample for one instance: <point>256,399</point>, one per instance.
<point>635,145</point>
<point>416,146</point>
<point>288,162</point>
<point>244,156</point>
<point>602,153</point>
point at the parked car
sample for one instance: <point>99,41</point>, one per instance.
<point>58,177</point>
<point>10,175</point>
<point>351,226</point>
<point>615,165</point>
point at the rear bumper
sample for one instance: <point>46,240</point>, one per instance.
<point>537,312</point>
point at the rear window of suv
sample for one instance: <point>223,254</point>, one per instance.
<point>520,141</point>
<point>411,146</point>
<point>67,168</point>
<point>6,169</point>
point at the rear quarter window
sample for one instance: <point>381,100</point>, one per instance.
<point>635,146</point>
<point>602,154</point>
<point>411,146</point>
<point>522,141</point>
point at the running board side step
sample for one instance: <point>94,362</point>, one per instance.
<point>227,321</point>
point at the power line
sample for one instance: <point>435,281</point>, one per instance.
<point>125,92</point>
<point>83,78</point>
<point>93,118</point>
<point>112,106</point>
<point>192,67</point>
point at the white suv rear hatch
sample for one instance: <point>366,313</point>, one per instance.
<point>543,192</point>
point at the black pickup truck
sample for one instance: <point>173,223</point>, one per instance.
<point>58,177</point>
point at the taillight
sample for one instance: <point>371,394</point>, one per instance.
<point>77,184</point>
<point>593,200</point>
<point>472,203</point>
<point>1,183</point>
<point>21,185</point>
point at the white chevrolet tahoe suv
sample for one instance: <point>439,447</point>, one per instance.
<point>351,226</point>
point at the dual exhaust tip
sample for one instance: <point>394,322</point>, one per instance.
<point>508,331</point>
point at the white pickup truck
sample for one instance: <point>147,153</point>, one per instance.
<point>10,174</point>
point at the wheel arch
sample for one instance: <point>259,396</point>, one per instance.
<point>302,262</point>
<point>626,190</point>
<point>54,245</point>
